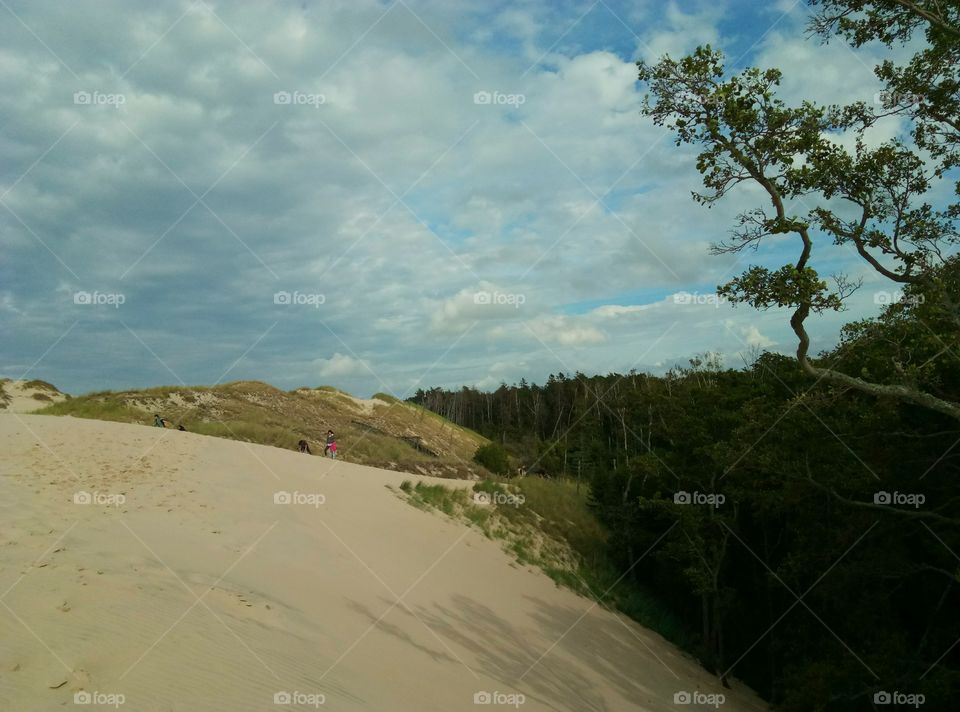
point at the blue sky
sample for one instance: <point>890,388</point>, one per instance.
<point>312,193</point>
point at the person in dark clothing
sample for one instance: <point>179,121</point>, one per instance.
<point>331,443</point>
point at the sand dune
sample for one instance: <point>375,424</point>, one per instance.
<point>183,585</point>
<point>27,396</point>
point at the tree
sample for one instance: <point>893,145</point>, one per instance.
<point>927,88</point>
<point>874,198</point>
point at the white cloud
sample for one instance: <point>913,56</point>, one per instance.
<point>485,302</point>
<point>752,337</point>
<point>340,365</point>
<point>567,331</point>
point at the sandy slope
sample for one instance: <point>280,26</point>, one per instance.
<point>200,593</point>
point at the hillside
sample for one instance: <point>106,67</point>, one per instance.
<point>20,396</point>
<point>165,571</point>
<point>381,431</point>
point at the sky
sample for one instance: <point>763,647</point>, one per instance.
<point>379,196</point>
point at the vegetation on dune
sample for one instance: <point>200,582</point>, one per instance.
<point>391,434</point>
<point>37,384</point>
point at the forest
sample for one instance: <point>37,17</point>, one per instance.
<point>806,532</point>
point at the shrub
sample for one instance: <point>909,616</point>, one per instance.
<point>493,457</point>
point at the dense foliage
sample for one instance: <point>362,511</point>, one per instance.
<point>493,457</point>
<point>808,532</point>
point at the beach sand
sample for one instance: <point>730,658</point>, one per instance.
<point>163,570</point>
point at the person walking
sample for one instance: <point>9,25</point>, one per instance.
<point>330,448</point>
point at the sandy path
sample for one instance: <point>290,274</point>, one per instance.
<point>199,592</point>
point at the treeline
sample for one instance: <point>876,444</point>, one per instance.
<point>807,532</point>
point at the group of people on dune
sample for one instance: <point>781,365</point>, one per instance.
<point>161,422</point>
<point>329,448</point>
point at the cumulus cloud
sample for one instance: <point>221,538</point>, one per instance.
<point>752,337</point>
<point>340,365</point>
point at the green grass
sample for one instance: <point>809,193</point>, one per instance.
<point>451,502</point>
<point>95,408</point>
<point>565,514</point>
<point>264,434</point>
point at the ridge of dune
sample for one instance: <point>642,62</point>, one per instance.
<point>186,572</point>
<point>382,431</point>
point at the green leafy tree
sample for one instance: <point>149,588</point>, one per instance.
<point>875,198</point>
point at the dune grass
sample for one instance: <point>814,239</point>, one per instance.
<point>251,432</point>
<point>112,410</point>
<point>39,385</point>
<point>251,411</point>
<point>386,397</point>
